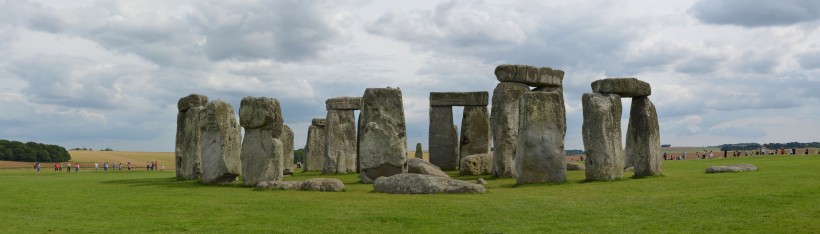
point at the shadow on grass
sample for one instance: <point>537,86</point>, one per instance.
<point>171,182</point>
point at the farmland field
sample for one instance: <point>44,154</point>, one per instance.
<point>781,197</point>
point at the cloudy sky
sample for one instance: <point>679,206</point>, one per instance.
<point>109,73</point>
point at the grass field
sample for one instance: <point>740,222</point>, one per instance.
<point>782,197</point>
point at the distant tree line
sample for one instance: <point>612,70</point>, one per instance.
<point>753,146</point>
<point>32,152</point>
<point>298,155</point>
<point>574,152</point>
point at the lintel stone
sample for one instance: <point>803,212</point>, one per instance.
<point>344,103</point>
<point>459,98</point>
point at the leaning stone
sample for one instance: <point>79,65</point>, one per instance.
<point>407,183</point>
<point>601,132</point>
<point>540,147</point>
<point>643,140</point>
<point>575,167</point>
<point>419,166</point>
<point>383,142</point>
<point>340,142</point>
<point>419,153</point>
<point>287,150</point>
<point>192,100</point>
<point>504,116</point>
<point>188,154</point>
<point>344,103</point>
<point>475,131</point>
<point>530,75</point>
<point>731,168</point>
<point>315,147</point>
<point>476,164</point>
<point>261,157</point>
<point>624,87</point>
<point>221,142</point>
<point>459,98</point>
<point>443,138</point>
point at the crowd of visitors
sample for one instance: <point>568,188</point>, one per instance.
<point>58,167</point>
<point>733,153</point>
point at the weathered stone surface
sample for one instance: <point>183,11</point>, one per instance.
<point>481,181</point>
<point>419,166</point>
<point>443,139</point>
<point>643,139</point>
<point>476,164</point>
<point>408,183</point>
<point>315,147</point>
<point>318,122</point>
<point>340,142</point>
<point>601,132</point>
<point>540,147</point>
<point>315,184</point>
<point>192,100</point>
<point>571,166</point>
<point>504,119</point>
<point>530,75</point>
<point>731,168</point>
<point>221,142</point>
<point>261,157</point>
<point>287,150</point>
<point>383,142</point>
<point>419,153</point>
<point>261,113</point>
<point>624,87</point>
<point>188,144</point>
<point>459,98</point>
<point>475,131</point>
<point>344,103</point>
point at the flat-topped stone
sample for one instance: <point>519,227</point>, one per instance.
<point>408,183</point>
<point>419,166</point>
<point>624,87</point>
<point>192,100</point>
<point>318,122</point>
<point>459,98</point>
<point>731,168</point>
<point>315,184</point>
<point>344,103</point>
<point>530,75</point>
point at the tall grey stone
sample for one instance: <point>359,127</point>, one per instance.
<point>315,146</point>
<point>601,132</point>
<point>221,142</point>
<point>475,131</point>
<point>340,142</point>
<point>383,142</point>
<point>540,144</point>
<point>419,152</point>
<point>287,150</point>
<point>443,139</point>
<point>530,75</point>
<point>643,140</point>
<point>504,119</point>
<point>624,87</point>
<point>262,149</point>
<point>187,157</point>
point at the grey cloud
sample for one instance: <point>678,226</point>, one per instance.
<point>699,65</point>
<point>809,60</point>
<point>756,13</point>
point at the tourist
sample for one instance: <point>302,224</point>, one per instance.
<point>56,167</point>
<point>77,167</point>
<point>69,166</point>
<point>683,156</point>
<point>147,166</point>
<point>129,166</point>
<point>105,166</point>
<point>37,167</point>
<point>96,166</point>
<point>807,150</point>
<point>794,151</point>
<point>120,166</point>
<point>664,156</point>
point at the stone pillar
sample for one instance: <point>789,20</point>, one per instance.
<point>189,138</point>
<point>443,139</point>
<point>340,136</point>
<point>419,152</point>
<point>287,151</point>
<point>315,146</point>
<point>504,116</point>
<point>221,142</point>
<point>643,140</point>
<point>540,143</point>
<point>602,136</point>
<point>383,142</point>
<point>475,131</point>
<point>262,152</point>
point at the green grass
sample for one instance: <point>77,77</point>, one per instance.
<point>782,197</point>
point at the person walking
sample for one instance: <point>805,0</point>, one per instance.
<point>96,166</point>
<point>69,167</point>
<point>76,167</point>
<point>105,166</point>
<point>119,165</point>
<point>56,167</point>
<point>129,166</point>
<point>37,167</point>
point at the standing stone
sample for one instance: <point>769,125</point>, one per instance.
<point>383,142</point>
<point>315,146</point>
<point>504,119</point>
<point>443,139</point>
<point>221,142</point>
<point>419,153</point>
<point>340,142</point>
<point>643,140</point>
<point>475,131</point>
<point>189,138</point>
<point>287,151</point>
<point>540,144</point>
<point>262,150</point>
<point>476,164</point>
<point>602,136</point>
